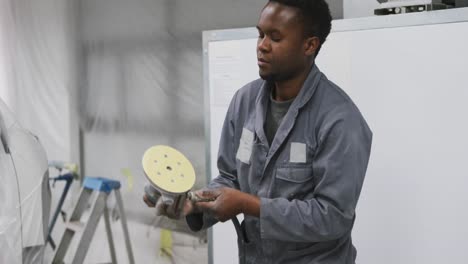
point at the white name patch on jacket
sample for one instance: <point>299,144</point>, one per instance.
<point>298,153</point>
<point>245,146</point>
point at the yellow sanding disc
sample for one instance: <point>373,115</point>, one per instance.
<point>168,169</point>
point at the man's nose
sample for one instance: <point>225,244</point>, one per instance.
<point>263,44</point>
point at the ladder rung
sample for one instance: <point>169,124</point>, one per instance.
<point>75,226</point>
<point>88,227</point>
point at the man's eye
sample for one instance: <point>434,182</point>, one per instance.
<point>276,38</point>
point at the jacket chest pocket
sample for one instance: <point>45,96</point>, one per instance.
<point>250,174</point>
<point>293,182</point>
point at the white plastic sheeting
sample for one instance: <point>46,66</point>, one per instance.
<point>10,215</point>
<point>6,73</point>
<point>24,193</point>
<point>37,76</point>
<point>144,86</point>
<point>135,99</point>
<point>38,53</point>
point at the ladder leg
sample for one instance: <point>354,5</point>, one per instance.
<point>81,205</point>
<point>83,246</point>
<point>69,233</point>
<point>124,227</point>
<point>109,235</point>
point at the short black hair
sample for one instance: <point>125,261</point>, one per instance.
<point>316,17</point>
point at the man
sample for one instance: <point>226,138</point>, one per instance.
<point>294,149</point>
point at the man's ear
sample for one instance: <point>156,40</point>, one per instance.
<point>311,45</point>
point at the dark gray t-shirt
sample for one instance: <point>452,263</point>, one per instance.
<point>275,113</point>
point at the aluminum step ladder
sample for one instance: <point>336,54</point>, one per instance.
<point>104,187</point>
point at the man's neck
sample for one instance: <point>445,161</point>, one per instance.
<point>289,89</point>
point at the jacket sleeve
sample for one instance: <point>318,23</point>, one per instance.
<point>339,167</point>
<point>227,176</point>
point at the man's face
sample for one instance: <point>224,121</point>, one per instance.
<point>280,45</point>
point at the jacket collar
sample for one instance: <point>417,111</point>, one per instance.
<point>304,96</point>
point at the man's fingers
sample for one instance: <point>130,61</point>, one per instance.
<point>161,208</point>
<point>222,219</point>
<point>148,202</point>
<point>210,193</point>
<point>189,207</point>
<point>206,206</point>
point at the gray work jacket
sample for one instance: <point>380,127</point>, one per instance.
<point>308,180</point>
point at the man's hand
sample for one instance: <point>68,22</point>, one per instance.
<point>189,207</point>
<point>229,203</point>
<point>147,201</point>
<point>169,210</point>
